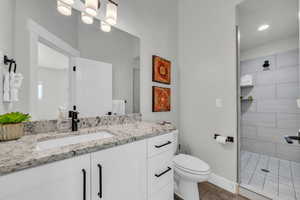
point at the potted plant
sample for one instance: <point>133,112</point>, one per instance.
<point>11,125</point>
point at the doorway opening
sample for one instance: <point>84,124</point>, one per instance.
<point>269,89</point>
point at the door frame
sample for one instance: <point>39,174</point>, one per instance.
<point>238,93</point>
<point>39,34</point>
<point>134,72</point>
<point>246,192</point>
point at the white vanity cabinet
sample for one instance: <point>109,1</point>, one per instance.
<point>140,170</point>
<point>120,173</point>
<point>161,150</point>
<point>63,180</point>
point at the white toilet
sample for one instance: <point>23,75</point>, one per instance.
<point>189,171</point>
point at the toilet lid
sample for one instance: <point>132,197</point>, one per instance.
<point>190,163</point>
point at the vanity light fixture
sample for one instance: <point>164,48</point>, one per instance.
<point>263,27</point>
<point>92,7</point>
<point>105,27</point>
<point>64,8</point>
<point>111,12</point>
<point>86,18</point>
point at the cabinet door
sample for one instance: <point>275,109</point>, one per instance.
<point>166,193</point>
<point>120,173</point>
<point>64,180</point>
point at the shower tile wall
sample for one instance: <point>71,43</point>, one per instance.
<point>274,112</point>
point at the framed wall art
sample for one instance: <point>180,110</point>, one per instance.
<point>161,70</point>
<point>161,99</point>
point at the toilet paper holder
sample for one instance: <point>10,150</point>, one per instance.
<point>228,138</point>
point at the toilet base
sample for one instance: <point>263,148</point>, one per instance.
<point>189,190</point>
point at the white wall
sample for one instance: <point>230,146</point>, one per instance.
<point>155,23</point>
<point>208,71</point>
<point>6,44</point>
<point>6,19</point>
<point>271,48</point>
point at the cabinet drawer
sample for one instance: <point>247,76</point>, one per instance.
<point>160,172</point>
<point>165,193</point>
<point>160,144</point>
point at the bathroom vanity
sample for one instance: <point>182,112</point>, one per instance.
<point>132,161</point>
<point>78,77</point>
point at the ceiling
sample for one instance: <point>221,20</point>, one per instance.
<point>281,15</point>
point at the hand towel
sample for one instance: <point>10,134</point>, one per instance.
<point>62,112</point>
<point>6,87</point>
<point>246,80</point>
<point>118,107</point>
<point>15,85</point>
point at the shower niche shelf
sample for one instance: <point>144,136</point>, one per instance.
<point>249,99</point>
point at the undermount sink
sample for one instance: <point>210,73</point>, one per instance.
<point>60,142</point>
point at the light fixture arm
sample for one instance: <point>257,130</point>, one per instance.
<point>113,2</point>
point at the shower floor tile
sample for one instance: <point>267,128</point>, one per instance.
<point>270,176</point>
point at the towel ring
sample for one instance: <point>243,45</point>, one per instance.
<point>10,62</point>
<point>10,66</point>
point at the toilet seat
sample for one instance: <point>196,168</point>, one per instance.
<point>183,170</point>
<point>190,164</point>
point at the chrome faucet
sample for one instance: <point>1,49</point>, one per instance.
<point>73,114</point>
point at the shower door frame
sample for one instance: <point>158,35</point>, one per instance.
<point>246,191</point>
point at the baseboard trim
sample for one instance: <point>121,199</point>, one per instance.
<point>178,196</point>
<point>223,183</point>
<point>251,194</point>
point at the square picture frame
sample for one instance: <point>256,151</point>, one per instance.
<point>161,99</point>
<point>161,70</point>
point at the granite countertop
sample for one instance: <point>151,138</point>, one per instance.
<point>22,154</point>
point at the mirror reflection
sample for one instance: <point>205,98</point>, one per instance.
<point>65,62</point>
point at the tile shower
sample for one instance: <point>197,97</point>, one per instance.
<point>268,163</point>
<point>280,179</point>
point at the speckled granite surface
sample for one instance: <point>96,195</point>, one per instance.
<point>22,154</point>
<point>47,126</point>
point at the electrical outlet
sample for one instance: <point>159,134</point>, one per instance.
<point>219,103</point>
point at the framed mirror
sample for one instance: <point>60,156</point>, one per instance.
<point>65,62</point>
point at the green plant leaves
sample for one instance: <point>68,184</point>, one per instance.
<point>14,117</point>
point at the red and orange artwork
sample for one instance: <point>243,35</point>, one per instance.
<point>161,70</point>
<point>161,99</point>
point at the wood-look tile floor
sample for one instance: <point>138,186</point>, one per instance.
<point>211,192</point>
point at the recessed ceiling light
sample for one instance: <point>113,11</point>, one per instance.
<point>263,27</point>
